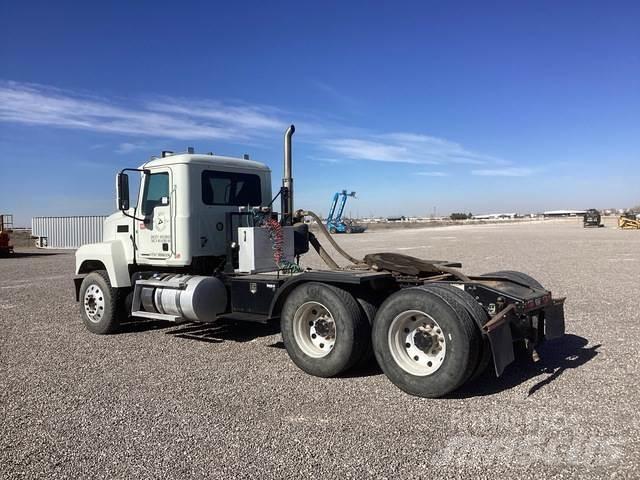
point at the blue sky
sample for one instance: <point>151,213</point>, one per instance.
<point>462,106</point>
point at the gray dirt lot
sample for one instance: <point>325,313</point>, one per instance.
<point>225,401</point>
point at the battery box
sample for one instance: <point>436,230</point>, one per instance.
<point>256,249</point>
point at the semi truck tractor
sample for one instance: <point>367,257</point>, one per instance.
<point>204,242</point>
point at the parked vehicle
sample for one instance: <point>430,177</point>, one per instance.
<point>6,226</point>
<point>335,221</point>
<point>204,243</point>
<point>629,221</point>
<point>592,218</point>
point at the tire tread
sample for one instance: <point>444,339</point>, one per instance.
<point>113,301</point>
<point>359,324</point>
<point>480,317</point>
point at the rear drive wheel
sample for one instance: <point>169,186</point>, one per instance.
<point>324,329</point>
<point>99,303</point>
<point>480,316</point>
<point>424,343</point>
<point>370,307</point>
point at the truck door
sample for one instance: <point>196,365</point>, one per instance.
<point>154,237</point>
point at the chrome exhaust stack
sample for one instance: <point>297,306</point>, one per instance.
<point>286,192</point>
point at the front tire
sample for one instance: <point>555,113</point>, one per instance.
<point>426,345</point>
<point>99,303</point>
<point>324,329</point>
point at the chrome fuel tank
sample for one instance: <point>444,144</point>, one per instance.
<point>195,298</point>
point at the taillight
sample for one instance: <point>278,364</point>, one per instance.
<point>538,302</point>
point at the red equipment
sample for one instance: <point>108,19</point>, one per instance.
<point>6,225</point>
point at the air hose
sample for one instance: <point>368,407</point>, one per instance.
<point>325,232</point>
<point>326,258</point>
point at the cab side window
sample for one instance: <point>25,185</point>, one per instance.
<point>156,187</point>
<point>230,189</point>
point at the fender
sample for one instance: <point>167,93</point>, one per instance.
<point>109,254</point>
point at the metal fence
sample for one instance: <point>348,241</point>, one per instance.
<point>67,232</point>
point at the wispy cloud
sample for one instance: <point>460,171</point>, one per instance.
<point>361,149</point>
<point>170,118</point>
<point>333,93</point>
<point>433,174</point>
<point>128,147</point>
<point>192,119</point>
<point>408,148</point>
<point>314,158</point>
<point>261,118</point>
<point>504,172</point>
<point>90,164</point>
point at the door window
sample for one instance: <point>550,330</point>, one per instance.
<point>156,187</point>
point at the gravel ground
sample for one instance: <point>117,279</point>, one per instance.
<point>221,401</point>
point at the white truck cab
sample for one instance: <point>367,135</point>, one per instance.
<point>180,213</point>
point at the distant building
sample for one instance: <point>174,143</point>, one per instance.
<point>67,232</point>
<point>564,213</point>
<point>492,216</point>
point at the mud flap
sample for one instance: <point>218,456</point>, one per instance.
<point>501,347</point>
<point>77,282</point>
<point>554,319</point>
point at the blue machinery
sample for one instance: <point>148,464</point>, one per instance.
<point>335,223</point>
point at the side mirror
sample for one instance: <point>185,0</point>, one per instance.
<point>122,191</point>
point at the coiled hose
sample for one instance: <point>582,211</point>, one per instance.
<point>277,240</point>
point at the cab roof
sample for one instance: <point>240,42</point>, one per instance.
<point>207,160</point>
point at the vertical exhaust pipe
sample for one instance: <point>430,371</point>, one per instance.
<point>287,179</point>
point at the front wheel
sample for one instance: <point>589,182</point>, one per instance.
<point>324,329</point>
<point>99,303</point>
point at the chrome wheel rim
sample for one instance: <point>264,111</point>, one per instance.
<point>94,303</point>
<point>314,329</point>
<point>417,343</point>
